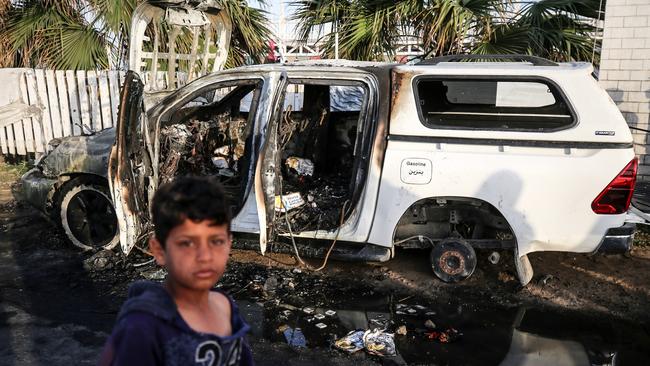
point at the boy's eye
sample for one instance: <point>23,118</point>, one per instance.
<point>185,243</point>
<point>217,242</point>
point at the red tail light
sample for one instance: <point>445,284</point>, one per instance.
<point>616,197</point>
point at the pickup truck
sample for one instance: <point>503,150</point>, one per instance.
<point>510,152</point>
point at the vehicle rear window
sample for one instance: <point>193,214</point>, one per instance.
<point>523,105</point>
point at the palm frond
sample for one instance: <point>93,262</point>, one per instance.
<point>251,33</point>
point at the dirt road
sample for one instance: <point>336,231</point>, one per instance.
<point>57,305</point>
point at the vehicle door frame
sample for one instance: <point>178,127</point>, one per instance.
<point>132,229</point>
<point>357,225</point>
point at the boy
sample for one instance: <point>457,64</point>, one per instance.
<point>184,321</point>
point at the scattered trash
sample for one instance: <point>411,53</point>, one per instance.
<point>401,330</point>
<point>296,270</point>
<point>330,313</point>
<point>155,274</point>
<point>429,324</point>
<point>430,313</point>
<point>447,336</point>
<point>380,320</point>
<point>222,151</point>
<point>303,167</point>
<point>100,261</point>
<point>220,162</point>
<point>321,325</point>
<point>376,342</point>
<point>494,258</point>
<point>352,342</point>
<point>545,279</point>
<point>271,284</point>
<point>319,316</point>
<point>288,202</point>
<point>308,310</point>
<point>380,343</point>
<point>286,313</point>
<point>294,337</point>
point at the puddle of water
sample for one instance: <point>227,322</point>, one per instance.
<point>491,335</point>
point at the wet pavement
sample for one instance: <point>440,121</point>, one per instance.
<point>491,334</point>
<point>58,305</point>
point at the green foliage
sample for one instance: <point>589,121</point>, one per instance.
<point>560,30</point>
<point>83,34</point>
<point>250,32</point>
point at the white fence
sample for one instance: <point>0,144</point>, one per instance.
<point>39,105</point>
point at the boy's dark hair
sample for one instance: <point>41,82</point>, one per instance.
<point>192,197</point>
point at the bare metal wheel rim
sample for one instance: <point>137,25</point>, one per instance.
<point>453,260</point>
<point>88,218</point>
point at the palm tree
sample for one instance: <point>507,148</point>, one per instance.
<point>93,34</point>
<point>369,29</point>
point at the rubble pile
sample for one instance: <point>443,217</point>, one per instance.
<point>212,147</point>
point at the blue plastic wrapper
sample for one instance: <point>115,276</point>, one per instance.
<point>352,342</point>
<point>379,343</point>
<point>295,338</point>
<point>376,342</point>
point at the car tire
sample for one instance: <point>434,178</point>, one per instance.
<point>453,260</point>
<point>86,214</point>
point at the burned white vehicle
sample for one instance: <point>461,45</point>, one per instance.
<point>357,158</point>
<point>442,154</point>
<point>70,186</point>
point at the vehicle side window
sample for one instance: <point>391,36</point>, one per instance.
<point>489,104</point>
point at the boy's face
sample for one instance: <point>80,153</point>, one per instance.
<point>195,254</point>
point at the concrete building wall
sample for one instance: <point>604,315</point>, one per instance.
<point>625,69</point>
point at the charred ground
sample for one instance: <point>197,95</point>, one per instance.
<point>58,304</point>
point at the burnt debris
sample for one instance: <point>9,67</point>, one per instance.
<point>212,147</point>
<point>317,155</point>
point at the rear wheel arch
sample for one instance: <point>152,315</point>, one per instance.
<point>433,217</point>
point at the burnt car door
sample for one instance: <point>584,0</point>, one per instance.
<point>215,126</point>
<point>171,43</point>
<point>130,170</point>
<point>267,170</point>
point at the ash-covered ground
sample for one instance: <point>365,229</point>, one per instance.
<point>58,305</point>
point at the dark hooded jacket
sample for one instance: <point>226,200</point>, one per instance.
<point>151,331</point>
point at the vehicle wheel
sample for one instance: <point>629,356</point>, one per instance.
<point>453,260</point>
<point>87,215</point>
